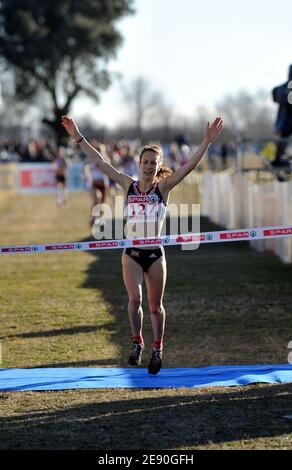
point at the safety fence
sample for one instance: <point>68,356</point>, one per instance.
<point>234,201</point>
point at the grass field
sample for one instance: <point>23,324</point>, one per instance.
<point>226,304</point>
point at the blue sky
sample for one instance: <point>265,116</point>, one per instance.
<point>197,52</point>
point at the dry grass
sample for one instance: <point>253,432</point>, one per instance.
<point>225,305</point>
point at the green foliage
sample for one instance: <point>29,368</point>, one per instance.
<point>60,47</point>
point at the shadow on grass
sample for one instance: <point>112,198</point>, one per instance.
<point>85,363</point>
<point>186,420</point>
<point>59,332</point>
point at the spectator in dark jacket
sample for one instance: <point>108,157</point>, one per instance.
<point>283,125</point>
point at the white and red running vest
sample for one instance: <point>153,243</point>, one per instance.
<point>144,212</point>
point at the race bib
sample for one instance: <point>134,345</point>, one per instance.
<point>143,208</point>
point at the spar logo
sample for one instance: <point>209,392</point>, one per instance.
<point>253,234</point>
<point>153,199</point>
<point>278,231</point>
<point>16,249</point>
<point>190,238</point>
<point>103,244</point>
<point>233,235</point>
<point>150,241</point>
<point>66,246</point>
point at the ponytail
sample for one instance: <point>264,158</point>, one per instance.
<point>163,172</point>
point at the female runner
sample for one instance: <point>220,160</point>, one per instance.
<point>146,201</point>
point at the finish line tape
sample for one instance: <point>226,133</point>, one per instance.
<point>261,233</point>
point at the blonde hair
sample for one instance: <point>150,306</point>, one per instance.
<point>163,170</point>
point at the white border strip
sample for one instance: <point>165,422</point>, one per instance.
<point>260,233</point>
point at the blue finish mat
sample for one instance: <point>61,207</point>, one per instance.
<point>74,378</point>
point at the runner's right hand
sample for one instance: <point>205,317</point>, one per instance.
<point>70,126</point>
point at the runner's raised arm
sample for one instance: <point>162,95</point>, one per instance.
<point>123,180</point>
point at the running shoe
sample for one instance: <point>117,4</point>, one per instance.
<point>136,354</point>
<point>155,361</point>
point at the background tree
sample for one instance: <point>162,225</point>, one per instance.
<point>246,114</point>
<point>59,49</point>
<point>141,100</point>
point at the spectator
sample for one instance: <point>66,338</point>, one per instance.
<point>283,126</point>
<point>97,182</point>
<point>61,167</point>
<point>224,155</point>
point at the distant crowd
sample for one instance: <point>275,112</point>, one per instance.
<point>123,154</point>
